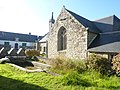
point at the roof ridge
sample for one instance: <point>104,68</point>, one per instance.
<point>105,17</point>
<point>44,38</point>
<point>85,22</point>
<point>116,17</point>
<point>77,14</point>
<point>16,33</point>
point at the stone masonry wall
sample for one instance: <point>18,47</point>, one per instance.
<point>76,37</point>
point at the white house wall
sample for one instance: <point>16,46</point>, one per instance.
<point>12,43</point>
<point>42,46</point>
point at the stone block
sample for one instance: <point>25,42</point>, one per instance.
<point>3,52</point>
<point>12,52</point>
<point>21,52</point>
<point>4,60</point>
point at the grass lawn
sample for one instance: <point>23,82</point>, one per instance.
<point>14,79</point>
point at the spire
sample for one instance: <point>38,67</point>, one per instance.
<point>52,16</point>
<point>51,22</point>
<point>52,19</point>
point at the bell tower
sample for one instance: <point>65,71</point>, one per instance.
<point>51,22</point>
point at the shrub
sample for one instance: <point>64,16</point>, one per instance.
<point>32,52</point>
<point>65,64</point>
<point>116,64</point>
<point>98,63</point>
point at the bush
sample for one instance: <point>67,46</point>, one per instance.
<point>116,64</point>
<point>98,63</point>
<point>64,64</point>
<point>32,52</point>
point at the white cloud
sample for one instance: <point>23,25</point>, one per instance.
<point>16,16</point>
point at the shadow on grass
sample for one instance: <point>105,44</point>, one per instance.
<point>11,84</point>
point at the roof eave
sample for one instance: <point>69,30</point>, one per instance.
<point>93,51</point>
<point>88,29</point>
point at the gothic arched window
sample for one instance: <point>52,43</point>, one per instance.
<point>62,39</point>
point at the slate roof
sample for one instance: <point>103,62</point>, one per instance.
<point>106,42</point>
<point>22,37</point>
<point>85,22</point>
<point>108,24</point>
<point>109,39</point>
<point>108,29</point>
<point>44,38</point>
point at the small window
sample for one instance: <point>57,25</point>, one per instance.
<point>6,43</point>
<point>24,44</point>
<point>44,49</point>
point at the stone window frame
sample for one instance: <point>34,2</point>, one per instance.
<point>62,39</point>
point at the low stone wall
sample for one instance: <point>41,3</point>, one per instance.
<point>26,70</point>
<point>40,67</point>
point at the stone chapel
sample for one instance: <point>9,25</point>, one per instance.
<point>75,37</point>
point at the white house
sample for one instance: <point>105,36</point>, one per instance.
<point>42,44</point>
<point>17,40</point>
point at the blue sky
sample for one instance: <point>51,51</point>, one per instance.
<point>24,16</point>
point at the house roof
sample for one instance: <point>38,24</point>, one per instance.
<point>108,24</point>
<point>108,48</point>
<point>106,42</point>
<point>85,22</point>
<point>22,37</point>
<point>44,38</point>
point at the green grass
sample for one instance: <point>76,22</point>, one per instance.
<point>15,79</point>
